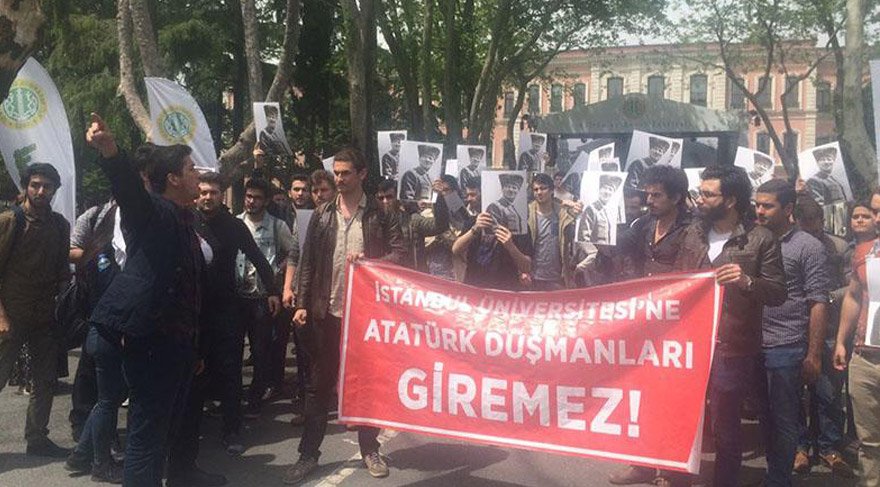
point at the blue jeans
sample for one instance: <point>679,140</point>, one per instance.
<point>826,408</point>
<point>100,427</point>
<point>780,412</point>
<point>158,369</point>
<point>731,380</point>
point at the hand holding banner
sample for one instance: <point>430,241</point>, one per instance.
<point>617,372</point>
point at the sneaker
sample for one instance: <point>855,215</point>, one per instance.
<point>376,465</point>
<point>300,470</point>
<point>837,464</point>
<point>46,448</point>
<point>232,443</point>
<point>110,473</point>
<point>77,463</point>
<point>801,463</point>
<point>633,475</point>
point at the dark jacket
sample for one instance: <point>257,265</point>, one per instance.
<point>757,251</point>
<point>383,240</point>
<point>228,236</point>
<point>416,227</point>
<point>641,256</point>
<point>159,290</point>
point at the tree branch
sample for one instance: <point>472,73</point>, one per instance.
<point>127,84</point>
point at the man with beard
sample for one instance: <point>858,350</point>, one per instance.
<point>34,270</point>
<point>391,159</point>
<point>531,159</point>
<point>656,148</point>
<point>824,187</point>
<point>552,229</point>
<point>472,170</point>
<point>747,261</point>
<point>792,332</point>
<point>504,211</point>
<point>416,183</point>
<point>597,225</point>
<point>272,140</point>
<point>650,246</point>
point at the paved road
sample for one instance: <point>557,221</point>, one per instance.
<point>415,460</point>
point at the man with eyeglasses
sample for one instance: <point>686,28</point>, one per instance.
<point>748,263</point>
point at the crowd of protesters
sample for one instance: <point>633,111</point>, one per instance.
<point>176,285</point>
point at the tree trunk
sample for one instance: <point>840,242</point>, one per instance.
<point>856,142</point>
<point>252,50</point>
<point>146,38</point>
<point>428,119</point>
<point>127,85</point>
<point>451,74</point>
<point>21,29</point>
<point>231,158</point>
<point>389,22</point>
<point>360,56</point>
<point>509,147</point>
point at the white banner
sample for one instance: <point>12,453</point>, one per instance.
<point>34,128</point>
<point>177,119</point>
<point>875,89</point>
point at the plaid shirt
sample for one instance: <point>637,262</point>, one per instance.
<point>807,282</point>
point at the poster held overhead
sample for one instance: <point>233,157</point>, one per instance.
<point>177,119</point>
<point>270,130</point>
<point>420,165</point>
<point>646,150</point>
<point>389,142</point>
<point>758,165</point>
<point>602,195</point>
<point>532,152</point>
<point>472,161</point>
<point>34,128</point>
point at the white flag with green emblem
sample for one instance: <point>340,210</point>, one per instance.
<point>177,119</point>
<point>34,128</point>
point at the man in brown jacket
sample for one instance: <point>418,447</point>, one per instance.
<point>347,228</point>
<point>748,263</point>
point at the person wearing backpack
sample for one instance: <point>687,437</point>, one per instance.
<point>33,255</point>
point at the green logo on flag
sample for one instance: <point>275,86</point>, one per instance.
<point>25,106</point>
<point>177,125</point>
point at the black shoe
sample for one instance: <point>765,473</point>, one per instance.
<point>233,444</point>
<point>77,463</point>
<point>75,432</point>
<point>45,448</point>
<point>300,470</point>
<point>109,473</point>
<point>195,477</point>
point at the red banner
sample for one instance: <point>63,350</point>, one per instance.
<point>617,372</point>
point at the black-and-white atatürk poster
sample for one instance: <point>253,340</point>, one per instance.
<point>532,152</point>
<point>758,166</point>
<point>471,162</point>
<point>389,142</point>
<point>505,197</point>
<point>270,130</point>
<point>420,164</point>
<point>602,196</point>
<point>646,150</point>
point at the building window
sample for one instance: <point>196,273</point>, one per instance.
<point>823,97</point>
<point>736,97</point>
<point>656,86</point>
<point>508,104</point>
<point>534,100</point>
<point>762,143</point>
<point>615,86</point>
<point>580,94</point>
<point>792,97</point>
<point>765,92</point>
<point>556,98</point>
<point>699,89</point>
